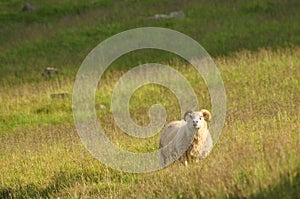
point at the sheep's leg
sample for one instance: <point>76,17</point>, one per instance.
<point>188,158</point>
<point>184,159</point>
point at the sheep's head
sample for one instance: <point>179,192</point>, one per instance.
<point>197,119</point>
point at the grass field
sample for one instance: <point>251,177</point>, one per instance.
<point>255,45</point>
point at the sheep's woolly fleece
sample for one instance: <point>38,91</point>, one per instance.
<point>186,139</point>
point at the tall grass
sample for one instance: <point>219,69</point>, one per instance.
<point>256,156</point>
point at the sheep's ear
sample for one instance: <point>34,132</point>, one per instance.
<point>188,113</point>
<point>206,114</point>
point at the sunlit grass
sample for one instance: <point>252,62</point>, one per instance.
<point>258,151</point>
<point>41,155</point>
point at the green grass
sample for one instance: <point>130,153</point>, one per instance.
<point>32,41</point>
<point>256,156</point>
<point>255,45</point>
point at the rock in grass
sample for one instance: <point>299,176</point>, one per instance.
<point>60,95</point>
<point>50,72</point>
<point>175,14</point>
<point>28,7</point>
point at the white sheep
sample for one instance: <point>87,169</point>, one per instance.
<point>186,139</point>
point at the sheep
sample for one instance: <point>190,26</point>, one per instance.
<point>189,138</point>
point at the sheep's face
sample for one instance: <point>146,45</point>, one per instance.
<point>196,120</point>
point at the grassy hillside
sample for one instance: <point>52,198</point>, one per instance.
<point>257,155</point>
<point>255,45</point>
<point>60,33</point>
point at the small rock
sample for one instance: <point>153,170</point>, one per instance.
<point>179,14</point>
<point>50,72</point>
<point>28,7</point>
<point>60,95</point>
<point>175,14</point>
<point>160,16</point>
